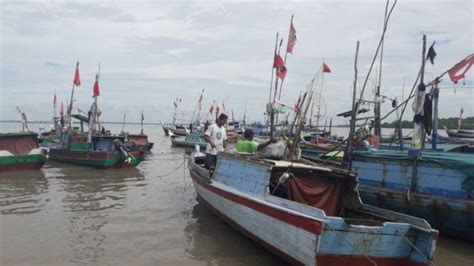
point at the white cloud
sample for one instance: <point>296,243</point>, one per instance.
<point>155,51</point>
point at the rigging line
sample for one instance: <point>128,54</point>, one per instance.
<point>377,51</point>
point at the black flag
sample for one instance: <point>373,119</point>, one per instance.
<point>431,54</point>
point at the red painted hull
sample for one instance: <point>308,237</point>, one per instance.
<point>307,224</point>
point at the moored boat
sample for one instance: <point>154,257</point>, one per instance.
<point>140,141</point>
<point>459,134</point>
<point>20,151</point>
<point>105,152</point>
<point>190,141</point>
<point>309,214</point>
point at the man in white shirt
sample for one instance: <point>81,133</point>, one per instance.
<point>215,136</point>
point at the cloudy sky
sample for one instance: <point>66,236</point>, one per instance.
<point>154,51</point>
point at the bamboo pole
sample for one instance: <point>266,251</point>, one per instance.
<point>286,53</point>
<point>354,111</point>
<point>378,129</point>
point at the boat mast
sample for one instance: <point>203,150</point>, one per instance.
<point>270,105</point>
<point>270,119</point>
<point>377,127</point>
<point>286,54</point>
<point>355,107</point>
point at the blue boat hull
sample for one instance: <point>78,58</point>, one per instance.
<point>437,196</point>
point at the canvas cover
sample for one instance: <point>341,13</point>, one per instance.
<point>321,190</point>
<point>18,144</point>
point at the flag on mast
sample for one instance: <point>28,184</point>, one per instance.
<point>77,78</point>
<point>326,68</point>
<point>279,64</point>
<point>211,110</point>
<point>96,87</point>
<point>291,39</point>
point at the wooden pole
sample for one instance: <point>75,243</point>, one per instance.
<point>377,128</point>
<point>286,53</point>
<point>123,122</point>
<point>273,70</point>
<point>348,152</point>
<point>423,62</point>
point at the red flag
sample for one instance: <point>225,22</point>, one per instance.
<point>281,72</point>
<point>291,39</point>
<point>278,61</point>
<point>461,68</point>
<point>96,86</point>
<point>279,64</point>
<point>77,78</point>
<point>211,110</point>
<point>326,68</point>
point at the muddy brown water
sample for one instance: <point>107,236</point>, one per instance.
<point>74,215</point>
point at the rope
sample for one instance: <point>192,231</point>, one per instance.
<point>356,249</point>
<point>174,171</point>
<point>417,250</point>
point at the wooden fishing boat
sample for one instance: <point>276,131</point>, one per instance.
<point>190,141</point>
<point>105,152</point>
<point>178,130</point>
<point>20,151</point>
<point>441,192</point>
<point>439,188</point>
<point>140,141</point>
<point>309,214</point>
<point>462,134</point>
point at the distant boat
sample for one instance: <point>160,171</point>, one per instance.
<point>459,134</point>
<point>20,151</point>
<point>105,152</point>
<point>140,141</point>
<point>309,214</point>
<point>190,141</point>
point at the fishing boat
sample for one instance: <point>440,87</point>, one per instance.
<point>20,151</point>
<point>190,141</point>
<point>309,214</point>
<point>459,134</point>
<point>140,141</point>
<point>105,152</point>
<point>137,141</point>
<point>96,147</point>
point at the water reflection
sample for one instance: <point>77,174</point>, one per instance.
<point>21,192</point>
<point>89,196</point>
<point>211,240</point>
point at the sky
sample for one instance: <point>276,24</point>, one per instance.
<point>152,52</point>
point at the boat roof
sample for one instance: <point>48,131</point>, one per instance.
<point>18,134</point>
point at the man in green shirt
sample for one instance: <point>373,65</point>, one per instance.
<point>248,145</point>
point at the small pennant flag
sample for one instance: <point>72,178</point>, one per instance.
<point>77,78</point>
<point>326,68</point>
<point>96,86</point>
<point>211,110</point>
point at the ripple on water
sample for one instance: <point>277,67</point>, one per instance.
<point>22,192</point>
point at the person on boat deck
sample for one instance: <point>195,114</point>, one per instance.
<point>362,135</point>
<point>215,136</point>
<point>248,145</point>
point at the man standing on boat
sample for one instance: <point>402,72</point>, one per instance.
<point>248,145</point>
<point>215,136</point>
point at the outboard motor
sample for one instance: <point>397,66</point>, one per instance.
<point>123,150</point>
